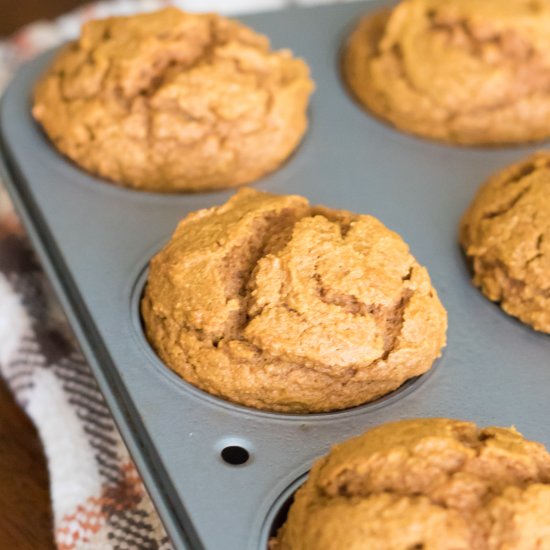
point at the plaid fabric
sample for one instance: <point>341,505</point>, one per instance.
<point>99,501</point>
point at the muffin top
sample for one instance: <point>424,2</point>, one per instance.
<point>435,484</point>
<point>278,305</point>
<point>172,101</point>
<point>463,71</point>
<point>506,235</point>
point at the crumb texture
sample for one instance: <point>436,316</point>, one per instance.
<point>430,484</point>
<point>461,71</point>
<point>278,305</point>
<point>506,236</point>
<point>173,101</point>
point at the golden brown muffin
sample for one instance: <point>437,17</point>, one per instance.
<point>463,71</point>
<point>271,303</point>
<point>431,484</point>
<point>506,235</point>
<point>172,101</point>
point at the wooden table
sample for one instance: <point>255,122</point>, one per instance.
<point>16,13</point>
<point>25,510</point>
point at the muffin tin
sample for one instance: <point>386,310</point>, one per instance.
<point>217,472</point>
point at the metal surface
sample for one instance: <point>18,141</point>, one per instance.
<point>95,241</point>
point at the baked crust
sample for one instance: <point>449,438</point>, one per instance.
<point>435,484</point>
<point>173,101</point>
<point>271,303</point>
<point>461,71</point>
<point>505,235</point>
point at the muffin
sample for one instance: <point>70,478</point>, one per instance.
<point>173,101</point>
<point>461,71</point>
<point>431,484</point>
<point>274,304</point>
<point>505,235</point>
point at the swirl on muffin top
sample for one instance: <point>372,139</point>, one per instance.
<point>505,234</point>
<point>277,305</point>
<point>432,484</point>
<point>463,71</point>
<point>172,101</point>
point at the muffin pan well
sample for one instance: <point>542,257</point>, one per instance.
<point>216,470</point>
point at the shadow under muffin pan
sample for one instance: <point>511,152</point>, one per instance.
<point>217,471</point>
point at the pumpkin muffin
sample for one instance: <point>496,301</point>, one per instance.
<point>431,484</point>
<point>461,71</point>
<point>274,304</point>
<point>173,101</point>
<point>505,235</point>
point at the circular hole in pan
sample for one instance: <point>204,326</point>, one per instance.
<point>139,286</point>
<point>235,455</point>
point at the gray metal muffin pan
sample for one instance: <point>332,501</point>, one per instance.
<point>96,239</point>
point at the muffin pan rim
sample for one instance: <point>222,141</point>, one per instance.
<point>270,518</point>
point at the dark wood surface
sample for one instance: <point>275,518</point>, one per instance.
<point>15,13</point>
<point>25,512</point>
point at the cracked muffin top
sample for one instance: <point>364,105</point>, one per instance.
<point>506,235</point>
<point>462,71</point>
<point>172,101</point>
<point>274,304</point>
<point>431,484</point>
